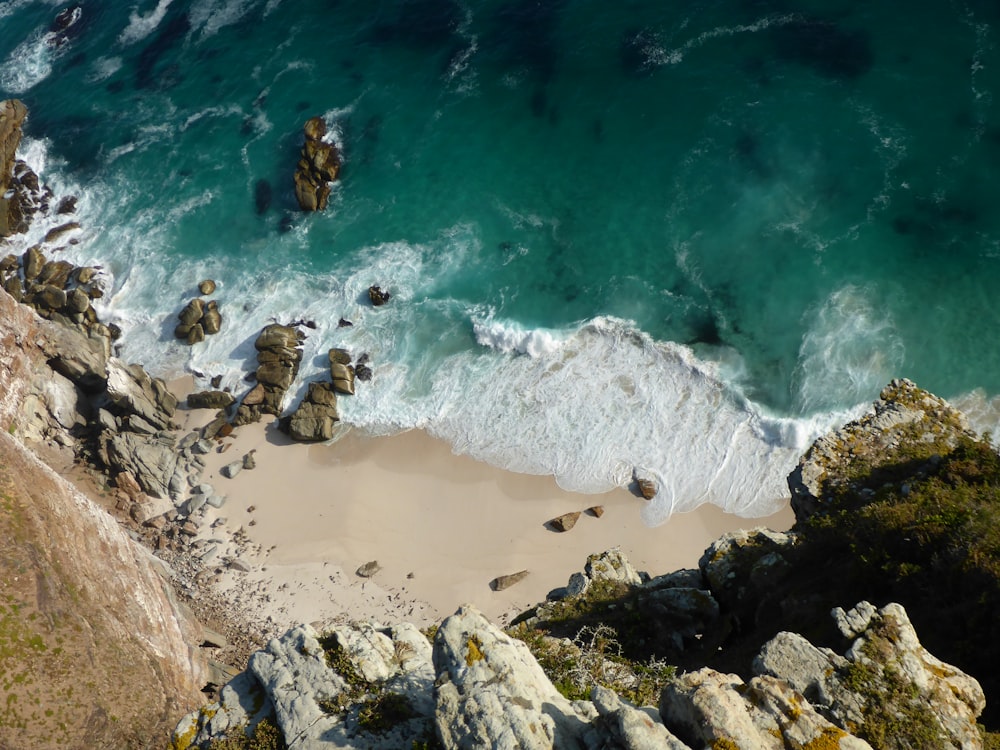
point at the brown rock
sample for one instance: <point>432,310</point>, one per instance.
<point>505,582</point>
<point>315,128</point>
<point>127,483</point>
<point>378,296</point>
<point>596,510</point>
<point>56,273</point>
<point>196,335</point>
<point>192,312</point>
<point>206,287</point>
<point>211,321</point>
<point>32,261</point>
<point>565,522</point>
<point>369,569</point>
<point>255,397</point>
<point>56,232</point>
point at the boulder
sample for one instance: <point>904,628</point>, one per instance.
<point>196,334</point>
<point>211,321</point>
<point>192,312</point>
<point>343,378</point>
<point>315,418</point>
<point>32,262</point>
<point>206,287</point>
<point>150,459</point>
<point>378,296</point>
<point>565,522</point>
<point>506,581</point>
<point>368,569</point>
<point>210,400</point>
<point>82,357</point>
<point>55,273</point>
<point>612,565</point>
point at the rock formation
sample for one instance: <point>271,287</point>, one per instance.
<point>371,686</point>
<point>278,355</point>
<point>89,620</point>
<point>316,417</point>
<point>319,165</point>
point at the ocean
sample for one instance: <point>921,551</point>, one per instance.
<point>679,238</point>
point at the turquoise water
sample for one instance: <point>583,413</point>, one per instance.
<point>680,239</point>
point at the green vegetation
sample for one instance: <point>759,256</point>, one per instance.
<point>895,715</point>
<point>594,657</point>
<point>385,711</point>
<point>265,736</point>
<point>378,708</point>
<point>920,526</point>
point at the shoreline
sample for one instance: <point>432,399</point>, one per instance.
<point>440,525</point>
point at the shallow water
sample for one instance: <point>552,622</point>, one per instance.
<point>617,235</point>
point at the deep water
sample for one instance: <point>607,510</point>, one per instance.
<point>680,237</point>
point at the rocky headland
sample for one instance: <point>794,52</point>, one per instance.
<point>799,639</point>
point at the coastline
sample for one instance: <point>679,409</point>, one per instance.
<point>441,526</point>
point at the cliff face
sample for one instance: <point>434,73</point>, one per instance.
<point>94,647</point>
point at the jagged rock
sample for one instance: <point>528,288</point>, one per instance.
<point>151,460</point>
<point>249,462</point>
<point>55,273</point>
<point>314,687</point>
<point>206,287</point>
<point>81,357</point>
<point>210,400</point>
<point>362,372</point>
<point>886,672</point>
<point>506,581</point>
<point>316,416</point>
<point>230,470</point>
<point>565,522</point>
<point>378,296</point>
<point>612,565</point>
<point>646,483</point>
<point>596,510</point>
<point>729,563</point>
<point>133,391</point>
<point>12,116</point>
<point>492,693</point>
<point>629,727</point>
<point>903,412</point>
<point>318,166</point>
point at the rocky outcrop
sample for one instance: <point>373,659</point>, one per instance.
<point>278,355</point>
<point>316,417</point>
<point>319,165</point>
<point>199,318</point>
<point>886,676</point>
<point>489,691</point>
<point>903,415</point>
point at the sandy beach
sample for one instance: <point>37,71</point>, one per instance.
<point>441,527</point>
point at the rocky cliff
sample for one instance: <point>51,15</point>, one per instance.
<point>96,649</point>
